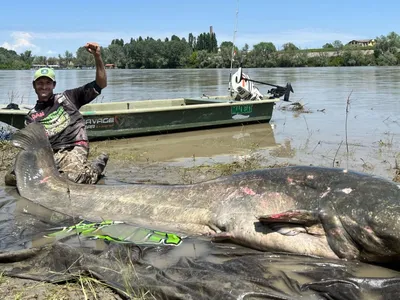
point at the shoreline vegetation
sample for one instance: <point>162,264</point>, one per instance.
<point>203,52</point>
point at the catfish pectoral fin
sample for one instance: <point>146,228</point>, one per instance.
<point>302,217</point>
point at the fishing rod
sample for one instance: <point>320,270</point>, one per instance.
<point>233,48</point>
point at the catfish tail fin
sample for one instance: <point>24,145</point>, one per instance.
<point>35,168</point>
<point>32,137</point>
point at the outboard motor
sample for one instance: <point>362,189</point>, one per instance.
<point>242,88</point>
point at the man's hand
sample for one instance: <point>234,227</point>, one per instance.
<point>93,48</point>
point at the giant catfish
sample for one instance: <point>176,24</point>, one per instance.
<point>325,212</point>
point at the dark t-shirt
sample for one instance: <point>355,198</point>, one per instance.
<point>61,118</point>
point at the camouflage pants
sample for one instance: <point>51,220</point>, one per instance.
<point>73,164</point>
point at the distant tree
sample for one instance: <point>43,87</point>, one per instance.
<point>353,57</point>
<point>177,53</point>
<point>207,41</point>
<point>226,44</point>
<point>225,53</point>
<point>338,45</point>
<point>84,58</point>
<point>321,59</point>
<point>175,38</point>
<point>389,43</point>
<point>69,57</point>
<point>328,46</point>
<point>52,61</point>
<point>40,60</point>
<point>261,54</point>
<point>203,57</point>
<point>9,59</point>
<point>191,41</point>
<point>286,59</point>
<point>203,52</point>
<point>289,47</point>
<point>213,43</point>
<point>264,48</point>
<point>193,61</point>
<point>61,61</point>
<point>387,49</point>
<point>117,42</point>
<point>27,57</point>
<point>115,54</point>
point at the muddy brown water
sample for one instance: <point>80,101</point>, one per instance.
<point>353,121</point>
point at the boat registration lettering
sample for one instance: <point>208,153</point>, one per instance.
<point>92,123</point>
<point>242,109</point>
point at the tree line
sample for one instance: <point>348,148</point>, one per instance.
<point>203,52</point>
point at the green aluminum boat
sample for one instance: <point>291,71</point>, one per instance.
<point>245,104</point>
<point>119,119</point>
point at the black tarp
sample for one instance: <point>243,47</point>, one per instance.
<point>223,272</point>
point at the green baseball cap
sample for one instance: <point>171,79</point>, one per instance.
<point>44,72</point>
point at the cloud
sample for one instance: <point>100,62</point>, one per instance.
<point>20,41</point>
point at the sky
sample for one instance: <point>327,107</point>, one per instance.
<point>50,28</point>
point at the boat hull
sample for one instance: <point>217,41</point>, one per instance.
<point>120,119</point>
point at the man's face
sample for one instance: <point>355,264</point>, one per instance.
<point>44,87</point>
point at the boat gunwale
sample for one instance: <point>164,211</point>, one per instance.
<point>87,112</point>
<point>174,108</point>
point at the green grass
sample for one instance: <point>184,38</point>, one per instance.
<point>3,278</point>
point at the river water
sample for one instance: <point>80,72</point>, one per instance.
<point>353,120</point>
<point>364,138</point>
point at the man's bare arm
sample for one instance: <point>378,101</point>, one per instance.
<point>101,76</point>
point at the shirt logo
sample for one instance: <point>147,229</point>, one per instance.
<point>56,122</point>
<point>34,116</point>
